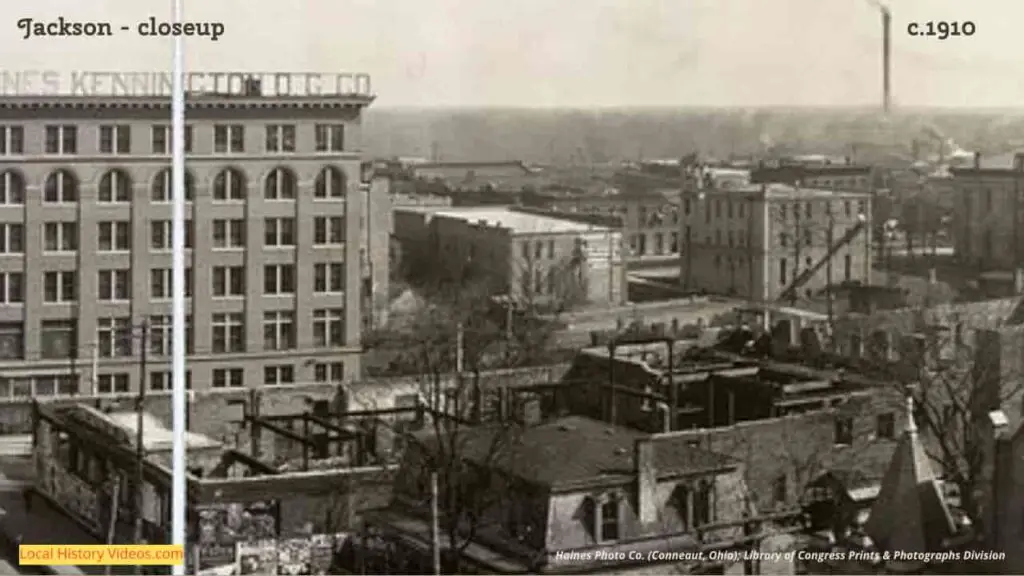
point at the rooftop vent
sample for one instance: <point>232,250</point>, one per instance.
<point>609,432</point>
<point>565,428</point>
<point>620,451</point>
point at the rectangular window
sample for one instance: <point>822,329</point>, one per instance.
<point>885,426</point>
<point>59,339</point>
<point>12,288</point>
<point>114,337</point>
<point>12,140</point>
<point>328,328</point>
<point>228,139</point>
<point>279,279</point>
<point>278,330</point>
<point>12,188</point>
<point>60,286</point>
<point>228,281</point>
<point>60,237</point>
<point>843,431</point>
<point>847,267</point>
<point>115,139</point>
<point>160,234</point>
<point>780,490</point>
<point>112,383</point>
<point>278,375</point>
<point>782,272</point>
<point>330,372</point>
<point>161,283</point>
<point>12,238</point>
<point>330,137</point>
<point>12,340</point>
<point>114,285</point>
<point>229,234</point>
<point>280,138</point>
<point>61,139</point>
<point>228,378</point>
<point>328,278</point>
<point>161,139</point>
<point>161,335</point>
<point>228,333</point>
<point>115,236</point>
<point>164,381</point>
<point>329,231</point>
<point>279,232</point>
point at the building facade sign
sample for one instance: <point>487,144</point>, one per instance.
<point>110,84</point>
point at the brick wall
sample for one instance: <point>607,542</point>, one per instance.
<point>216,413</point>
<point>801,447</point>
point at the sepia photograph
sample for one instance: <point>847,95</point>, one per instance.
<point>610,287</point>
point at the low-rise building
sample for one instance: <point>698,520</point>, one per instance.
<point>522,255</point>
<point>788,423</point>
<point>573,495</point>
<point>842,176</point>
<point>649,220</point>
<point>774,242</point>
<point>291,506</point>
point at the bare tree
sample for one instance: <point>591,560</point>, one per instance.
<point>459,332</point>
<point>957,376</point>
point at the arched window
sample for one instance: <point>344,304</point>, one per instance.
<point>611,508</point>
<point>115,186</point>
<point>61,187</point>
<point>162,190</point>
<point>280,185</point>
<point>229,185</point>
<point>12,188</point>
<point>330,183</point>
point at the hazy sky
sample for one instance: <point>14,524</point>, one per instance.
<point>571,52</point>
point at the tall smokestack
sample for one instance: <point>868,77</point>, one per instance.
<point>886,59</point>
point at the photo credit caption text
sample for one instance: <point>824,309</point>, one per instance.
<point>150,27</point>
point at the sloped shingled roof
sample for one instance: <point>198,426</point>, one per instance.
<point>574,453</point>
<point>910,513</point>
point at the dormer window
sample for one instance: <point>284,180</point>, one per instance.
<point>611,507</point>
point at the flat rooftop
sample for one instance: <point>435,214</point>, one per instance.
<point>155,436</point>
<point>787,192</point>
<point>517,222</point>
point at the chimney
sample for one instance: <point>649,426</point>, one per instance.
<point>849,161</point>
<point>1018,281</point>
<point>932,278</point>
<point>646,482</point>
<point>886,60</point>
<point>977,160</point>
<point>996,475</point>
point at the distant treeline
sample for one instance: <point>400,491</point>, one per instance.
<point>565,136</point>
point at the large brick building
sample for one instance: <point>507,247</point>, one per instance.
<point>523,255</point>
<point>275,245</point>
<point>773,242</point>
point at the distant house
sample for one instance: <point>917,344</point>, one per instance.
<point>575,495</point>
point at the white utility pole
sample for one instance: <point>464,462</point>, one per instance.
<point>179,494</point>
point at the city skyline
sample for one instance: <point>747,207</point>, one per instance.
<point>539,53</point>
